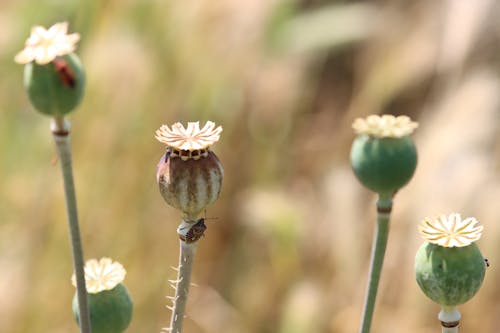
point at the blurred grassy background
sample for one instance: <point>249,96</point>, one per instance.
<point>289,246</point>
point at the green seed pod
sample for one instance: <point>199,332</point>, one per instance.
<point>110,310</point>
<point>189,175</point>
<point>383,165</point>
<point>110,305</point>
<point>449,267</point>
<point>55,88</point>
<point>53,75</point>
<point>449,275</point>
<point>383,156</point>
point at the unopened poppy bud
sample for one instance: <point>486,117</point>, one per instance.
<point>53,75</point>
<point>449,266</point>
<point>110,304</point>
<point>189,174</point>
<point>383,156</point>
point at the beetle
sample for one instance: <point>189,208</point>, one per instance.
<point>195,232</point>
<point>65,73</point>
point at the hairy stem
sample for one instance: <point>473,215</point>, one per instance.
<point>186,258</point>
<point>384,206</point>
<point>60,131</point>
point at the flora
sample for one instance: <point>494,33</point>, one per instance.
<point>189,177</point>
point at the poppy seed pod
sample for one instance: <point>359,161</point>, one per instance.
<point>53,75</point>
<point>56,88</point>
<point>449,267</point>
<point>384,156</point>
<point>110,304</point>
<point>189,174</point>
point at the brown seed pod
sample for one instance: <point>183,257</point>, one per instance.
<point>190,185</point>
<point>189,175</point>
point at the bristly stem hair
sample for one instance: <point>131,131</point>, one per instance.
<point>186,258</point>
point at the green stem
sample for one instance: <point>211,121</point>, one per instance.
<point>186,258</point>
<point>60,131</point>
<point>449,316</point>
<point>445,329</point>
<point>384,205</point>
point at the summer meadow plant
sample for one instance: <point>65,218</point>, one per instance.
<point>384,158</point>
<point>54,80</point>
<point>449,267</point>
<point>189,176</point>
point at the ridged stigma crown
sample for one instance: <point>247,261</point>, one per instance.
<point>44,45</point>
<point>190,142</point>
<point>103,274</point>
<point>189,174</point>
<point>450,231</point>
<point>385,126</point>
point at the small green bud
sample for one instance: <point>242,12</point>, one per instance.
<point>110,310</point>
<point>384,156</point>
<point>57,87</point>
<point>449,267</point>
<point>110,305</point>
<point>189,175</point>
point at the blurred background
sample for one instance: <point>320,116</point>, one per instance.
<point>288,242</point>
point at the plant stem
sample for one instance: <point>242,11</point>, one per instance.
<point>384,206</point>
<point>186,258</point>
<point>60,131</point>
<point>449,318</point>
<point>449,329</point>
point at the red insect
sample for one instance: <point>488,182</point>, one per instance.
<point>65,73</point>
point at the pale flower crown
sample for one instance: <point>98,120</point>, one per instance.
<point>385,126</point>
<point>44,45</point>
<point>189,142</point>
<point>102,275</point>
<point>451,231</point>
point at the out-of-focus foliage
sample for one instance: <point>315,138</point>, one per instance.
<point>288,241</point>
